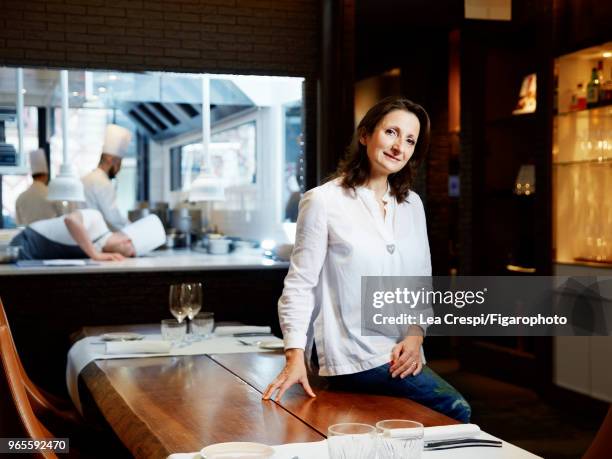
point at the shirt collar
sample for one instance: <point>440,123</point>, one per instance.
<point>363,191</point>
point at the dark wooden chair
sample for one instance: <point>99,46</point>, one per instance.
<point>50,409</point>
<point>27,410</point>
<point>18,417</point>
<point>601,447</point>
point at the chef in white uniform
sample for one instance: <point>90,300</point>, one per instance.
<point>99,190</point>
<point>84,234</point>
<point>32,204</point>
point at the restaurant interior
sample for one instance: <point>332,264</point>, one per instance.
<point>236,108</point>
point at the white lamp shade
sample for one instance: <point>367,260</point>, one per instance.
<point>206,188</point>
<point>66,186</point>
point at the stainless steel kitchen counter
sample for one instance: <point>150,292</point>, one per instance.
<point>159,261</point>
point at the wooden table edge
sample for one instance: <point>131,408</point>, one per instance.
<point>117,412</point>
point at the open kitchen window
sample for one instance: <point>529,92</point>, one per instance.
<point>255,146</point>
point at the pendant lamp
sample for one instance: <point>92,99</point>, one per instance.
<point>66,186</point>
<point>206,186</point>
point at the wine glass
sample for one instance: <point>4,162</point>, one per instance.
<point>177,307</point>
<point>192,298</point>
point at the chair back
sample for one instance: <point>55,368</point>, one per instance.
<point>18,418</point>
<point>40,401</point>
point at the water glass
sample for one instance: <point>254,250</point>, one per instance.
<point>351,440</point>
<point>400,439</point>
<point>202,325</point>
<point>173,330</point>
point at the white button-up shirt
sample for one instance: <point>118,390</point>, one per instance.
<point>341,236</point>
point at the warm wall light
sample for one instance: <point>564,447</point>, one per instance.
<point>607,54</point>
<point>527,96</point>
<point>492,10</point>
<point>525,181</point>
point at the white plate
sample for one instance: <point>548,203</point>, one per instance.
<point>237,450</point>
<point>121,336</point>
<point>273,345</point>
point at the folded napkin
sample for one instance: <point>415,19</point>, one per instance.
<point>450,432</point>
<point>226,330</point>
<point>60,262</point>
<point>138,347</point>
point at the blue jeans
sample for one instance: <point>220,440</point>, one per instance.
<point>426,388</point>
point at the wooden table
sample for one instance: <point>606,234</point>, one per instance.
<point>164,405</point>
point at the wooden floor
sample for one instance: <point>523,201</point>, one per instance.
<point>520,416</point>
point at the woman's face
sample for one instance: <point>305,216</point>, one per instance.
<point>392,143</point>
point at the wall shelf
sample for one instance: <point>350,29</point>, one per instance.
<point>582,176</point>
<point>603,160</point>
<point>605,110</point>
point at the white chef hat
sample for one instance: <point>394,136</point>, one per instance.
<point>146,234</point>
<point>38,162</point>
<point>116,140</point>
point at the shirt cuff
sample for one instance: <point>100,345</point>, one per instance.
<point>295,340</point>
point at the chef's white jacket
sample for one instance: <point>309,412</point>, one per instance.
<point>32,205</point>
<point>55,229</point>
<point>100,194</point>
<point>341,236</point>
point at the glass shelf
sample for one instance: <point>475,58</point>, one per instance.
<point>604,110</point>
<point>603,160</point>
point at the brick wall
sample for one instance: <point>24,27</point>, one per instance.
<point>278,37</point>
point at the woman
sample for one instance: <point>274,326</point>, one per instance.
<point>364,222</point>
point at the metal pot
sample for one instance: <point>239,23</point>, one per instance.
<point>181,219</point>
<point>137,214</point>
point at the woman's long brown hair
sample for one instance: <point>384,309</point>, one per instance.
<point>354,169</point>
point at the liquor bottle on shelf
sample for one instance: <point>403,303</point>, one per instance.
<point>579,101</point>
<point>605,93</point>
<point>592,95</point>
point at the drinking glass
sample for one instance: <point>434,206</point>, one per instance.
<point>400,439</point>
<point>202,325</point>
<point>351,440</point>
<point>173,330</point>
<point>192,298</point>
<point>178,308</point>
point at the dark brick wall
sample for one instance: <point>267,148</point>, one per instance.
<point>278,37</point>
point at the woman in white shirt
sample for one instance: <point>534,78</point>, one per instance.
<point>364,222</point>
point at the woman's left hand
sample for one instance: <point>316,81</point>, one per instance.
<point>406,357</point>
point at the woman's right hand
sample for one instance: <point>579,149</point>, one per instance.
<point>294,372</point>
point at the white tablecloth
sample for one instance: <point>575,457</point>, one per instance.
<point>93,348</point>
<point>318,450</point>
